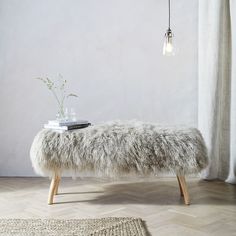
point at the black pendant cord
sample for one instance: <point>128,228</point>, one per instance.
<point>169,12</point>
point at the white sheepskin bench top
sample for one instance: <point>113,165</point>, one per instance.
<point>119,148</point>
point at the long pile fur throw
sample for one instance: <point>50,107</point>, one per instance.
<point>116,148</point>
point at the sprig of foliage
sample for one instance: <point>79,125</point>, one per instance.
<point>72,95</point>
<point>58,89</point>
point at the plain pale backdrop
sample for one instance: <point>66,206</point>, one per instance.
<point>110,51</point>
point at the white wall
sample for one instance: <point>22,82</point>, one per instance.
<point>110,51</point>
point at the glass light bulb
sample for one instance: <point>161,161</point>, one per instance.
<point>168,48</point>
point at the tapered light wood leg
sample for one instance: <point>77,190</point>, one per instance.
<point>184,188</point>
<point>180,188</point>
<point>57,185</point>
<point>52,190</point>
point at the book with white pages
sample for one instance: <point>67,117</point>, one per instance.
<point>68,127</point>
<point>67,123</point>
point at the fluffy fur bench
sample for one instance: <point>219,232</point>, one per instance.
<point>116,148</point>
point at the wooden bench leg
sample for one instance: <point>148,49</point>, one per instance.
<point>180,188</point>
<point>57,185</point>
<point>53,188</point>
<point>183,189</point>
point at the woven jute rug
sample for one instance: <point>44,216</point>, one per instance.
<point>85,227</point>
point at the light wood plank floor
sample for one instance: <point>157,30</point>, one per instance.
<point>157,201</point>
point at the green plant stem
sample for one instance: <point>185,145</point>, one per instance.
<point>58,101</point>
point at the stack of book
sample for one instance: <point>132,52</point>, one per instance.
<point>66,125</point>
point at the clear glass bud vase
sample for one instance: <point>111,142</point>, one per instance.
<point>61,114</point>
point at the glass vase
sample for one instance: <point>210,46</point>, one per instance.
<point>62,114</point>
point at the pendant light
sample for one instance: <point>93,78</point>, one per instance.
<point>168,49</point>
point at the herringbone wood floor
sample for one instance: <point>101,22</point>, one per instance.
<point>157,201</point>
